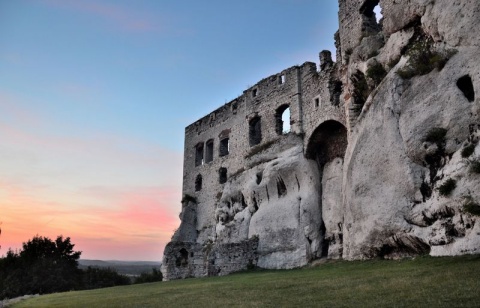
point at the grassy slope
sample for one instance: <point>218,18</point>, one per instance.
<point>422,282</point>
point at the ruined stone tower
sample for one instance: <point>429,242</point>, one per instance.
<point>373,139</point>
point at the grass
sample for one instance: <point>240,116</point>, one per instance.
<point>475,166</point>
<point>436,135</point>
<point>470,206</point>
<point>376,73</point>
<point>423,59</point>
<point>447,187</point>
<point>468,150</point>
<point>421,282</point>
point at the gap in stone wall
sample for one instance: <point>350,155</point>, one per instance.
<point>466,86</point>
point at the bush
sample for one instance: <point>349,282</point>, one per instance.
<point>376,73</point>
<point>393,62</point>
<point>154,276</point>
<point>41,266</point>
<point>468,150</point>
<point>189,198</point>
<point>95,278</point>
<point>471,207</point>
<point>423,59</point>
<point>436,135</point>
<point>475,166</point>
<point>446,188</point>
<point>44,266</point>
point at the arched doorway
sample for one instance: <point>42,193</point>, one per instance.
<point>327,146</point>
<point>328,140</point>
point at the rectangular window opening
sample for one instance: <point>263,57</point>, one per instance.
<point>224,147</point>
<point>209,151</point>
<point>199,155</point>
<point>222,175</point>
<point>255,131</point>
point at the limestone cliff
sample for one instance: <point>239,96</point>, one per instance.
<point>382,159</point>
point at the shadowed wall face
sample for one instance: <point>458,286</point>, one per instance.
<point>328,141</point>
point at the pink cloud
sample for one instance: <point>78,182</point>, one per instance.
<point>120,17</point>
<point>135,223</point>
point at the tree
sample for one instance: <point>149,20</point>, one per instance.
<point>155,275</point>
<point>45,266</point>
<point>94,278</point>
<point>42,266</point>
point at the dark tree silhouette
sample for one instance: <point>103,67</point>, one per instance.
<point>41,266</point>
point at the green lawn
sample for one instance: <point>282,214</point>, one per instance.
<point>422,282</point>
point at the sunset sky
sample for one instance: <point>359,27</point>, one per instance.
<point>95,96</point>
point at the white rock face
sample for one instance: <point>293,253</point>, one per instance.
<point>392,172</point>
<point>278,207</point>
<point>332,206</point>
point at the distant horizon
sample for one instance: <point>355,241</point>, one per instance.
<point>122,261</point>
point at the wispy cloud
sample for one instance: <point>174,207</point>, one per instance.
<point>122,18</point>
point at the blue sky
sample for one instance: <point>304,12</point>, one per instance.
<point>95,96</point>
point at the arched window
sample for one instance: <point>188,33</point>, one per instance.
<point>222,175</point>
<point>182,258</point>
<point>466,86</point>
<point>282,119</point>
<point>199,154</point>
<point>255,131</point>
<point>371,12</point>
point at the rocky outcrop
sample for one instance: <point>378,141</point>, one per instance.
<point>394,164</point>
<point>383,161</point>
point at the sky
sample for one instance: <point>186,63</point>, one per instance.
<point>95,96</point>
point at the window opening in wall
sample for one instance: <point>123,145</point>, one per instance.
<point>335,88</point>
<point>182,258</point>
<point>199,154</point>
<point>198,182</point>
<point>209,151</point>
<point>281,80</point>
<point>371,12</point>
<point>224,147</point>
<point>378,13</point>
<point>222,175</point>
<point>282,118</point>
<point>254,92</point>
<point>255,131</point>
<point>466,86</point>
<point>317,102</point>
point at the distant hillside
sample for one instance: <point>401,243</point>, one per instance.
<point>132,268</point>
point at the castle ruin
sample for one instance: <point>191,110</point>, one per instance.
<point>357,175</point>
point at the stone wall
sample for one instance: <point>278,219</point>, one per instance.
<point>187,260</point>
